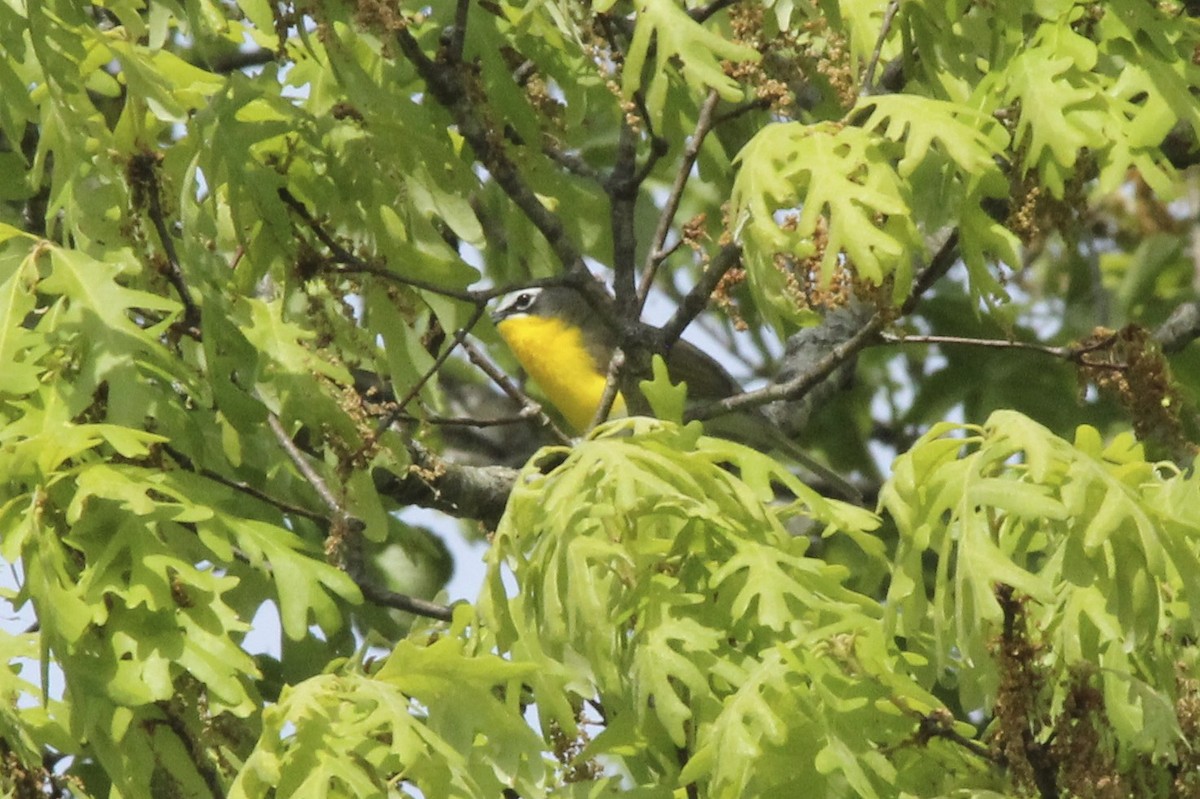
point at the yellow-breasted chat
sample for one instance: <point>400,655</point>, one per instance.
<point>566,346</point>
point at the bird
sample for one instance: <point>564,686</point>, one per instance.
<point>566,346</point>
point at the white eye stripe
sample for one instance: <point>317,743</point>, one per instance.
<point>517,302</point>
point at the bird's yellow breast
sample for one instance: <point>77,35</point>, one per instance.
<point>553,354</point>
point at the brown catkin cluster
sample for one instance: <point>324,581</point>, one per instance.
<point>1129,366</point>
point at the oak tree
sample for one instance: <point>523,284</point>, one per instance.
<point>247,250</point>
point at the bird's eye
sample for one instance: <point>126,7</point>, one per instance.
<point>524,301</point>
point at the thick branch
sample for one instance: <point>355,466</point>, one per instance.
<point>465,492</point>
<point>1181,328</point>
<point>621,188</point>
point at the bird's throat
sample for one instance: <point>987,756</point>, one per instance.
<point>553,354</point>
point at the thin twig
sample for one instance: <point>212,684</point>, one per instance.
<point>758,104</point>
<point>939,265</point>
<point>244,488</point>
<point>232,60</point>
<point>352,561</point>
<point>505,383</point>
<point>341,515</point>
<point>1073,353</point>
<point>340,253</point>
<point>612,385</point>
<point>352,264</point>
<point>476,297</point>
<point>999,344</point>
<point>524,415</point>
<point>974,747</point>
<point>460,336</point>
<point>656,254</point>
<point>885,27</point>
<point>939,723</point>
<point>571,162</point>
<point>664,254</point>
<point>658,148</point>
<point>174,272</point>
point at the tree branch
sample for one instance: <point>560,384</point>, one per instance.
<point>1075,353</point>
<point>244,488</point>
<point>796,387</point>
<point>144,173</point>
<point>939,723</point>
<point>621,188</point>
<point>697,299</point>
<point>197,753</point>
<point>997,344</point>
<point>1181,328</point>
<point>352,562</point>
<point>469,421</point>
<point>445,80</point>
<point>348,530</point>
<point>460,336</point>
<point>704,12</point>
<point>758,104</point>
<point>867,86</point>
<point>458,34</point>
<point>356,265</point>
<point>464,492</point>
<point>341,517</point>
<point>505,383</point>
<point>612,385</point>
<point>224,63</point>
<point>571,162</point>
